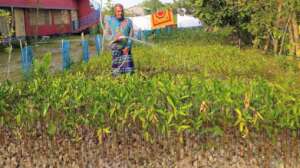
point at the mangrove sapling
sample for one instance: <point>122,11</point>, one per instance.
<point>167,108</point>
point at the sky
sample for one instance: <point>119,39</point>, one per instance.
<point>129,3</point>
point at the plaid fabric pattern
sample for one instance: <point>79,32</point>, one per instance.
<point>121,64</point>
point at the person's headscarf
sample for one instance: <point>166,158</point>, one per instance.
<point>121,6</point>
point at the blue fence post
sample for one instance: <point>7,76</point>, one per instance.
<point>85,50</point>
<point>98,42</point>
<point>65,53</point>
<point>169,29</point>
<point>27,60</point>
<point>146,34</point>
<point>157,32</point>
<point>139,35</point>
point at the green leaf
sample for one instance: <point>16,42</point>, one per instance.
<point>183,128</point>
<point>18,119</point>
<point>171,102</point>
<point>51,129</point>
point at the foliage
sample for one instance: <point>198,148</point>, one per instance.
<point>153,5</point>
<point>269,22</point>
<point>179,4</point>
<point>193,85</point>
<point>109,8</point>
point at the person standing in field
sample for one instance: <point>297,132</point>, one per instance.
<point>117,30</point>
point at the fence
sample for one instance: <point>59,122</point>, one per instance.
<point>63,53</point>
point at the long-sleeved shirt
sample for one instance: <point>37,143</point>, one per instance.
<point>115,27</point>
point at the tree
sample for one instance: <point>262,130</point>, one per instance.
<point>271,24</point>
<point>186,4</point>
<point>153,5</point>
<point>109,8</point>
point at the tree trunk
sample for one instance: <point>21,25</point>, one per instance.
<point>275,46</point>
<point>294,35</point>
<point>266,47</point>
<point>276,40</point>
<point>256,42</point>
<point>283,39</point>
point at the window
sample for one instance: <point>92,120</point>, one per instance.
<point>61,17</point>
<point>42,17</point>
<point>3,25</point>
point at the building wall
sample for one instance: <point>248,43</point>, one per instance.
<point>19,22</point>
<point>45,4</point>
<point>50,22</point>
<point>75,20</point>
<point>3,25</point>
<point>84,8</point>
<point>55,16</point>
<point>87,15</point>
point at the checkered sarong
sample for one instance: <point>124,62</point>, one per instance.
<point>122,64</point>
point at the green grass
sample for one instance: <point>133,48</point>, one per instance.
<point>186,82</point>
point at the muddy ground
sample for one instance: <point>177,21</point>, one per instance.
<point>230,151</point>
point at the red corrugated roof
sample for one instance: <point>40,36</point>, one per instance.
<point>43,4</point>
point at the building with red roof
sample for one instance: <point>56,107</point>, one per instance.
<point>49,17</point>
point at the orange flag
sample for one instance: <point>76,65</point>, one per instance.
<point>162,19</point>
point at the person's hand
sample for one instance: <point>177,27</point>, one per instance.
<point>125,51</point>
